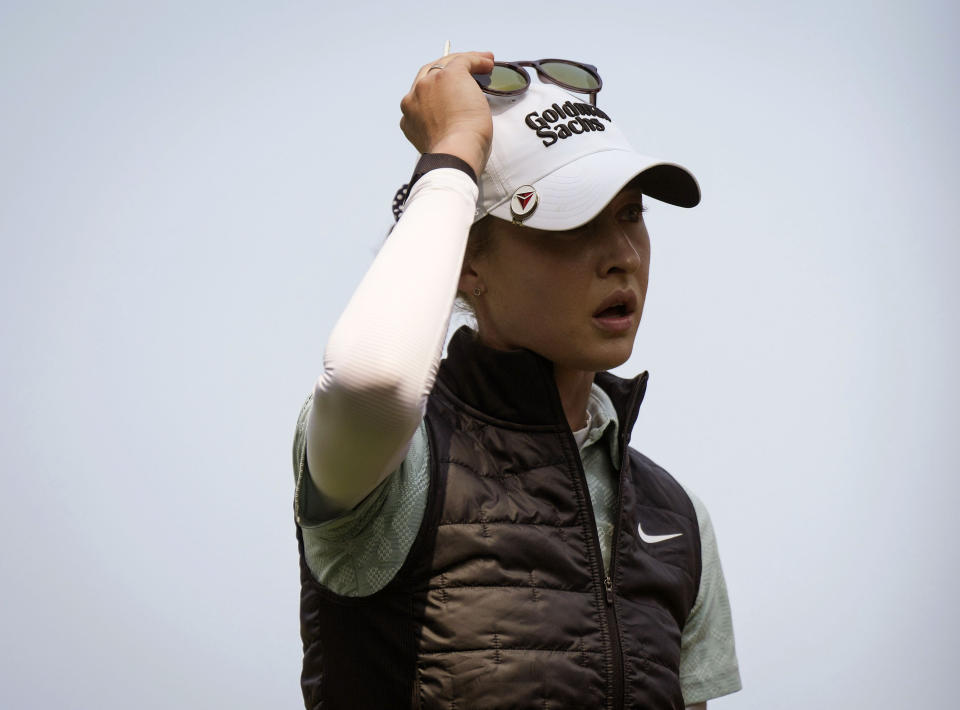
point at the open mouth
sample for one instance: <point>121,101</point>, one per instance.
<point>617,311</point>
<point>619,304</point>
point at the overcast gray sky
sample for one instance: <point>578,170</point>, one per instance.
<point>190,191</point>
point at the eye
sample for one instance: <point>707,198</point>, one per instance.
<point>632,212</point>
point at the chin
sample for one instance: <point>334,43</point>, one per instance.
<point>614,362</point>
<point>613,352</point>
<point>605,356</point>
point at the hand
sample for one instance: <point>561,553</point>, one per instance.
<point>446,112</point>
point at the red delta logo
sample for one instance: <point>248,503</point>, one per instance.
<point>523,203</point>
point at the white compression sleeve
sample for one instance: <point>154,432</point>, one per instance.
<point>384,351</point>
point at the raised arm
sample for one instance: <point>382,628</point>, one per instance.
<point>383,353</point>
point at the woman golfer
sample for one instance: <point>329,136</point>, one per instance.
<point>476,532</point>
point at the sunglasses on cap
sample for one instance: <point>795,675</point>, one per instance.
<point>510,78</point>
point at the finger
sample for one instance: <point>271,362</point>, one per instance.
<point>475,62</point>
<point>472,62</point>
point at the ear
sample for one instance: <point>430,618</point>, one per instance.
<point>469,280</point>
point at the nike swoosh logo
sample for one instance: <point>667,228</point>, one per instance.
<point>650,539</point>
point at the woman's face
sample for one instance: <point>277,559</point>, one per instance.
<point>574,297</point>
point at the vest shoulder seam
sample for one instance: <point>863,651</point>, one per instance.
<point>503,649</point>
<point>483,523</point>
<point>527,587</point>
<point>445,397</point>
<point>517,472</point>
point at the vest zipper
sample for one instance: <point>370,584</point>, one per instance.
<point>618,700</point>
<point>613,626</point>
<point>636,396</point>
<point>611,606</point>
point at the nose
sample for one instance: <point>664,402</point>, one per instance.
<point>618,253</point>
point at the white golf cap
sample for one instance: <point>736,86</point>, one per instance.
<point>556,161</point>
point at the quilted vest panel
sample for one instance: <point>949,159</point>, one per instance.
<point>502,601</point>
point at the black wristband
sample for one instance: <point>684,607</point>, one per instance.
<point>432,161</point>
<point>428,162</point>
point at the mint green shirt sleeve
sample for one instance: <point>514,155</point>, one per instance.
<point>708,657</point>
<point>359,552</point>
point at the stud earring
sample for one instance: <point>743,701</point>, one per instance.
<point>476,290</point>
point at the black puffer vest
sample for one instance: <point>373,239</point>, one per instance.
<point>503,601</point>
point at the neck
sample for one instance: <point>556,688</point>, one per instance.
<point>574,389</point>
<point>572,384</point>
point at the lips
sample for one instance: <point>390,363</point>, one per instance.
<point>615,313</point>
<point>619,304</point>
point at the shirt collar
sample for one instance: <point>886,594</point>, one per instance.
<point>602,416</point>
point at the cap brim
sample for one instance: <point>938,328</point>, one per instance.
<point>576,193</point>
